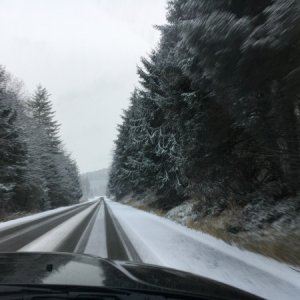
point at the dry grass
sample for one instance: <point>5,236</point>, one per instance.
<point>155,211</point>
<point>281,246</point>
<point>146,208</point>
<point>284,248</point>
<point>210,228</point>
<point>14,216</point>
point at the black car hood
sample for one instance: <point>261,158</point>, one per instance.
<point>84,270</point>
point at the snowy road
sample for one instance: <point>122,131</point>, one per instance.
<point>112,230</point>
<point>17,233</point>
<point>87,228</point>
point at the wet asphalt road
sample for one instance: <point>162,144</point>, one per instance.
<point>118,245</point>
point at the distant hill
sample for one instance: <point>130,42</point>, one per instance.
<point>94,183</point>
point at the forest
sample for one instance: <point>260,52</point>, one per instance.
<point>216,114</point>
<point>36,172</point>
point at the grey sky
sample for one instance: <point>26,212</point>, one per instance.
<point>85,52</point>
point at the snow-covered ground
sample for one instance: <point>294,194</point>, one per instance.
<point>93,198</point>
<point>162,242</point>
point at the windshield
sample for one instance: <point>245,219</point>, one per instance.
<point>162,132</point>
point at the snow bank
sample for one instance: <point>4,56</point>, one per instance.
<point>181,213</point>
<point>163,242</point>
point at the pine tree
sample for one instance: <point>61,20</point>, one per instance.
<point>12,147</point>
<point>59,170</point>
<point>43,113</point>
<point>35,172</point>
<point>32,190</point>
<point>215,116</point>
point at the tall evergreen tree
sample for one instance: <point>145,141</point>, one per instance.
<point>43,113</point>
<point>215,116</point>
<point>35,172</point>
<point>60,171</point>
<point>12,147</point>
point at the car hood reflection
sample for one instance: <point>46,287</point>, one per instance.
<point>84,270</point>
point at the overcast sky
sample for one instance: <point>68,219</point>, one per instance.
<point>85,52</point>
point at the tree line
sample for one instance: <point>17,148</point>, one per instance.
<point>216,116</point>
<point>36,173</point>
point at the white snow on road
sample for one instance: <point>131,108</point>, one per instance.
<point>162,242</point>
<point>52,239</point>
<point>18,221</point>
<point>96,244</point>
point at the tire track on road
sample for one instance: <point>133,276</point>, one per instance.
<point>119,247</point>
<point>17,237</point>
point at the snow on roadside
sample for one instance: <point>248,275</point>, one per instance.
<point>18,221</point>
<point>93,198</point>
<point>162,242</point>
<point>181,213</point>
